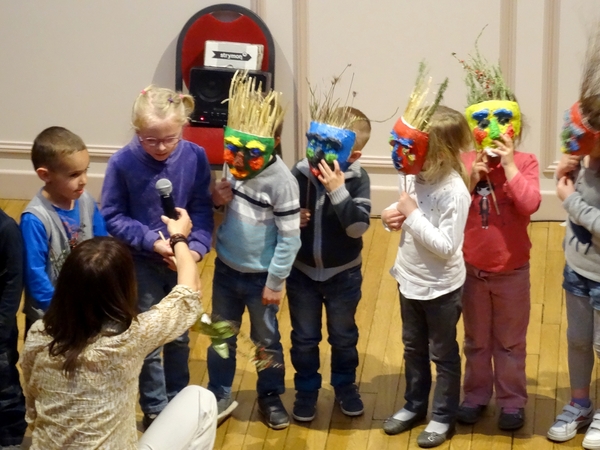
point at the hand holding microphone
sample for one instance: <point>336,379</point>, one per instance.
<point>165,188</point>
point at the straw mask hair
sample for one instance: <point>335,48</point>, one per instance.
<point>249,111</point>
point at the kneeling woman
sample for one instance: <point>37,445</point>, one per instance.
<point>82,361</point>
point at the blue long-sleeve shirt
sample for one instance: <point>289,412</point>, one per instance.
<point>132,207</point>
<point>37,249</point>
<point>11,274</point>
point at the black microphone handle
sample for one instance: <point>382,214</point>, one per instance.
<point>168,206</point>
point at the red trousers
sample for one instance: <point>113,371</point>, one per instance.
<point>496,314</point>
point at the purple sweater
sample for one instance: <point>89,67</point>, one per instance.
<point>131,205</point>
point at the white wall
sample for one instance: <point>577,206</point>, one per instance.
<point>80,64</point>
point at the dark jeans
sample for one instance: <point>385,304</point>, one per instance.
<point>429,331</point>
<point>12,402</point>
<point>233,291</point>
<point>160,380</point>
<point>340,296</point>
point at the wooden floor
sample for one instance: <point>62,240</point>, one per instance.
<point>380,372</point>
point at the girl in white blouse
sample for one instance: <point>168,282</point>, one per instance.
<point>81,362</point>
<point>430,271</point>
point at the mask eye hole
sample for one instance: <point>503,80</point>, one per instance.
<point>232,148</point>
<point>503,116</point>
<point>254,152</point>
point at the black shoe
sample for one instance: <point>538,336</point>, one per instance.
<point>147,420</point>
<point>393,426</point>
<point>275,414</point>
<point>349,400</point>
<point>305,406</point>
<point>511,421</point>
<point>430,439</point>
<point>469,415</point>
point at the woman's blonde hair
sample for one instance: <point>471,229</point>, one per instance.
<point>156,103</point>
<point>449,134</point>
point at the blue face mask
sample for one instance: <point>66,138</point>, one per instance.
<point>328,143</point>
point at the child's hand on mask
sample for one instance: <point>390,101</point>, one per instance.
<point>505,148</point>
<point>567,164</point>
<point>406,205</point>
<point>331,179</point>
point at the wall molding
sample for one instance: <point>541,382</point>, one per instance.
<point>508,41</point>
<point>24,148</point>
<point>301,92</point>
<point>549,86</point>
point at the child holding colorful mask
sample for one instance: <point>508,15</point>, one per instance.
<point>578,177</point>
<point>335,196</point>
<point>256,244</point>
<point>504,186</point>
<point>431,212</point>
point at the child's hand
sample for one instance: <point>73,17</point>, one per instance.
<point>505,148</point>
<point>163,248</point>
<point>393,219</point>
<point>304,217</point>
<point>222,193</point>
<point>564,188</point>
<point>331,179</point>
<point>478,168</point>
<point>271,297</point>
<point>567,164</point>
<point>406,205</point>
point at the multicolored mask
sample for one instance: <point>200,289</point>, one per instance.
<point>578,137</point>
<point>409,147</point>
<point>246,154</point>
<point>329,143</point>
<point>491,119</point>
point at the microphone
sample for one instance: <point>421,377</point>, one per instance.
<point>164,188</point>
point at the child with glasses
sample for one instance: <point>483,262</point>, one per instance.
<point>132,208</point>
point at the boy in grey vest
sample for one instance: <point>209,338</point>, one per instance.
<point>59,217</point>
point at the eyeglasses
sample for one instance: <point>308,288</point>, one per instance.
<point>153,142</point>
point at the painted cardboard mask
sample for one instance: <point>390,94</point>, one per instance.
<point>246,154</point>
<point>329,143</point>
<point>578,137</point>
<point>490,119</point>
<point>409,147</point>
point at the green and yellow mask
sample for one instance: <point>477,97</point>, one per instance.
<point>491,119</point>
<point>246,154</point>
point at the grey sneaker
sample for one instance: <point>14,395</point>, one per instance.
<point>225,407</point>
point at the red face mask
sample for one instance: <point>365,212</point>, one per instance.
<point>409,148</point>
<point>578,137</point>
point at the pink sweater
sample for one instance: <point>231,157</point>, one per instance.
<point>499,242</point>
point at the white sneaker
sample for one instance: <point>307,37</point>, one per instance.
<point>572,418</point>
<point>591,441</point>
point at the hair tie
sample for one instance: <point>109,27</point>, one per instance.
<point>143,92</point>
<point>181,96</point>
<point>170,99</point>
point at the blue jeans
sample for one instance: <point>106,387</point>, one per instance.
<point>160,380</point>
<point>233,291</point>
<point>12,402</point>
<point>581,286</point>
<point>429,333</point>
<point>340,296</point>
